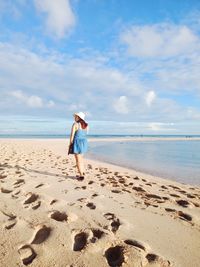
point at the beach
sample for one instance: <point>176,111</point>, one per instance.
<point>116,216</point>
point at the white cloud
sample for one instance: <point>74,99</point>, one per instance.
<point>90,85</point>
<point>150,98</point>
<point>76,107</point>
<point>159,126</point>
<point>67,81</point>
<point>121,105</point>
<point>60,17</point>
<point>168,56</point>
<point>32,101</point>
<point>159,40</point>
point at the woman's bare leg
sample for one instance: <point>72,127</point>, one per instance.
<point>79,164</point>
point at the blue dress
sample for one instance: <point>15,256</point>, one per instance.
<point>80,144</point>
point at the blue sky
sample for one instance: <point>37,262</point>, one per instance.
<point>132,66</point>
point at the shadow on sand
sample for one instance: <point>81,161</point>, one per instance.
<point>37,171</point>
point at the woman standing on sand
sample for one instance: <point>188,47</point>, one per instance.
<point>78,141</point>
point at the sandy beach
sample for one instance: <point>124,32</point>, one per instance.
<point>115,217</point>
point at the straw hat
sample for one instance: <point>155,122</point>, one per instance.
<point>81,115</point>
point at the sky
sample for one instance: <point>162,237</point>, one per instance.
<point>133,66</point>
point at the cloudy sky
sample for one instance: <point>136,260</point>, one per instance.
<point>133,66</point>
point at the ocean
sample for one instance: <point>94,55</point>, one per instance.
<point>177,160</point>
<point>61,136</point>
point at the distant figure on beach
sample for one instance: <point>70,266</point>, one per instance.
<point>78,141</point>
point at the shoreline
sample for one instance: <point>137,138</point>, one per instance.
<point>135,172</point>
<point>113,210</point>
<point>161,178</point>
<point>58,147</point>
<point>109,139</point>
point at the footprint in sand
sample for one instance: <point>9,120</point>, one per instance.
<point>39,185</point>
<point>27,254</point>
<point>184,216</point>
<point>182,191</point>
<point>115,224</point>
<point>31,198</point>
<point>82,199</point>
<point>174,187</point>
<point>35,206</point>
<point>5,190</point>
<point>153,196</point>
<point>2,176</point>
<point>174,195</point>
<point>10,225</point>
<point>115,256</point>
<point>41,234</point>
<point>109,216</point>
<point>135,243</point>
<point>94,195</point>
<point>80,241</point>
<point>138,189</point>
<point>53,201</point>
<point>84,187</point>
<point>11,220</point>
<point>16,192</point>
<point>18,183</point>
<point>77,187</point>
<point>165,198</point>
<point>122,181</point>
<point>164,187</point>
<point>183,203</point>
<point>197,205</point>
<point>181,215</point>
<point>10,215</point>
<point>97,234</point>
<point>190,196</point>
<point>89,167</point>
<point>116,191</point>
<point>91,205</point>
<point>149,184</point>
<point>155,259</point>
<point>59,216</point>
<point>170,210</point>
<point>126,190</point>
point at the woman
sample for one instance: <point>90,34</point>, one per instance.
<point>78,141</point>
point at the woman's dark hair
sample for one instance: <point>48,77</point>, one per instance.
<point>83,123</point>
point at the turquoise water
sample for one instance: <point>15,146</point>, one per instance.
<point>176,160</point>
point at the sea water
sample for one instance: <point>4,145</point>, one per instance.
<point>178,160</point>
